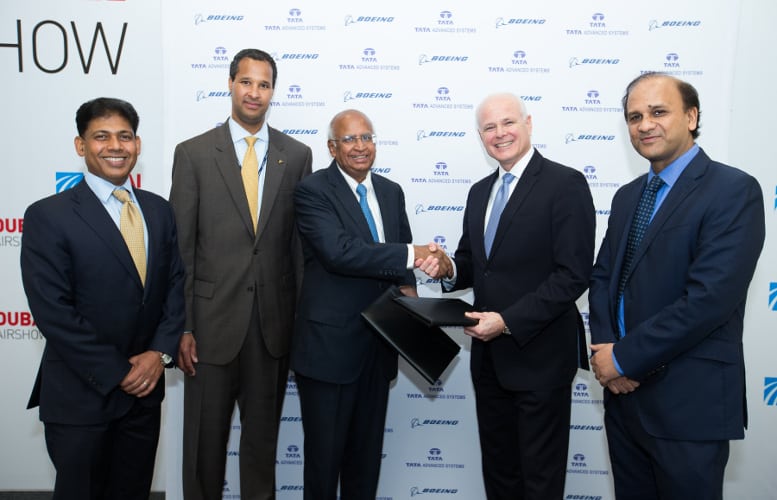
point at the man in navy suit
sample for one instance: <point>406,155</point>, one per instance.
<point>343,369</point>
<point>111,325</point>
<point>666,326</point>
<point>530,338</point>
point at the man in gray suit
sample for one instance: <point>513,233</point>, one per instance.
<point>243,269</point>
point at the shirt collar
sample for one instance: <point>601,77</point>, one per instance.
<point>672,172</point>
<point>519,167</point>
<point>104,189</point>
<point>367,182</point>
<point>239,133</point>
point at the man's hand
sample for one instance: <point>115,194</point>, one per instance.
<point>144,374</point>
<point>408,291</point>
<point>490,325</point>
<point>432,260</point>
<point>602,364</point>
<point>622,385</point>
<point>187,354</point>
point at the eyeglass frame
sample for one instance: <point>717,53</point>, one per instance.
<point>352,139</point>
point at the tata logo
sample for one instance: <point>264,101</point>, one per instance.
<point>445,18</point>
<point>435,455</point>
<point>442,94</point>
<point>654,24</point>
<point>440,241</point>
<point>203,94</point>
<point>590,172</point>
<point>199,18</point>
<point>368,55</point>
<point>441,169</point>
<point>220,54</point>
<point>424,59</point>
<point>578,460</point>
<point>580,390</point>
<point>502,22</point>
<point>597,17</point>
<point>295,92</point>
<point>295,12</point>
<point>519,58</point>
<point>671,60</point>
<point>770,391</point>
<point>233,453</point>
<point>592,97</point>
<point>773,296</point>
<point>349,20</point>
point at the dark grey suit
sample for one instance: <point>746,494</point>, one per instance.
<point>240,291</point>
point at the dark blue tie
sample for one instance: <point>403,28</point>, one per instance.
<point>638,227</point>
<point>500,200</point>
<point>366,211</point>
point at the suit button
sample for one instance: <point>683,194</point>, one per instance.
<point>256,251</point>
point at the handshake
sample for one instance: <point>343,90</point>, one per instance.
<point>432,260</point>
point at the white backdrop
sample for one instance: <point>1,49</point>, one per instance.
<point>418,72</point>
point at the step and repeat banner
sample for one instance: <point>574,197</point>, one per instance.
<point>419,71</point>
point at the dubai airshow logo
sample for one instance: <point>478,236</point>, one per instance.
<point>415,491</point>
<point>673,23</point>
<point>373,20</point>
<point>11,231</point>
<point>770,391</point>
<point>593,61</point>
<point>350,95</point>
<point>220,18</point>
<point>295,97</point>
<point>441,174</point>
<point>369,60</point>
<point>438,58</point>
<point>218,60</point>
<point>572,138</point>
<point>773,296</point>
<point>517,62</point>
<point>442,99</point>
<point>66,180</point>
<point>508,22</point>
<point>291,456</point>
<point>590,102</point>
<point>18,325</point>
<point>445,24</point>
<point>294,21</point>
<point>596,26</point>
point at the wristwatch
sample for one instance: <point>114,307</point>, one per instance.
<point>166,359</point>
<point>506,331</point>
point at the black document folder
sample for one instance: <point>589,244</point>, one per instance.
<point>427,349</point>
<point>438,312</point>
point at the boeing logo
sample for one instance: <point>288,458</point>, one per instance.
<point>592,61</point>
<point>350,96</point>
<point>502,22</point>
<point>773,296</point>
<point>424,59</point>
<point>571,137</point>
<point>654,24</point>
<point>583,497</point>
<point>420,208</point>
<point>577,427</point>
<point>300,131</point>
<point>422,134</point>
<point>415,490</point>
<point>417,422</point>
<point>770,391</point>
<point>199,18</point>
<point>349,20</point>
<point>291,419</point>
<point>202,94</point>
<point>297,56</point>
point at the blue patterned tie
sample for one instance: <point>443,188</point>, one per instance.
<point>638,227</point>
<point>366,211</point>
<point>500,200</point>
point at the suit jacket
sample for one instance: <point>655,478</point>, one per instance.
<point>228,268</point>
<point>684,300</point>
<point>88,301</point>
<point>540,264</point>
<point>345,271</point>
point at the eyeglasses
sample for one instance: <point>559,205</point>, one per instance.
<point>351,139</point>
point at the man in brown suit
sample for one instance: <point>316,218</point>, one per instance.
<point>242,277</point>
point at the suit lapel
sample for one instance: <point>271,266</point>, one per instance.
<point>93,213</point>
<point>348,203</point>
<point>525,184</point>
<point>275,169</point>
<point>388,212</point>
<point>229,167</point>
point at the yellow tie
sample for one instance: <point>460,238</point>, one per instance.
<point>131,227</point>
<point>250,173</point>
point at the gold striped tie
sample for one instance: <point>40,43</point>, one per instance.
<point>131,227</point>
<point>250,173</point>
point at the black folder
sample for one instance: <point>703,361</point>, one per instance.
<point>438,312</point>
<point>427,349</point>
